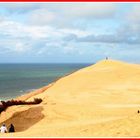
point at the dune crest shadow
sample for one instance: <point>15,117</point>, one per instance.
<point>23,120</point>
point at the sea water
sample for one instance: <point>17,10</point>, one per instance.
<point>17,79</point>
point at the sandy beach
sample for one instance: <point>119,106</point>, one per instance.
<point>101,100</point>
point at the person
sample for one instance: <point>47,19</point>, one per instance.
<point>12,128</point>
<point>3,129</point>
<point>106,58</point>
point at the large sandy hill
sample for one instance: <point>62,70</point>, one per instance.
<point>101,100</point>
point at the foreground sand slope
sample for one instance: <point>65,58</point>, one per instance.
<point>99,100</point>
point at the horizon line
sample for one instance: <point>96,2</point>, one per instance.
<point>47,62</point>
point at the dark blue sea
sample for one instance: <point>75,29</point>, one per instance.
<point>17,79</point>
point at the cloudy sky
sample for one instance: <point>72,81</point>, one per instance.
<point>69,32</point>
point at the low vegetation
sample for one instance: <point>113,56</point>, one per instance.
<point>5,104</point>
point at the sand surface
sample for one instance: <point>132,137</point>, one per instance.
<point>101,100</point>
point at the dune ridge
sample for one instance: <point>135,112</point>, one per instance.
<point>100,100</point>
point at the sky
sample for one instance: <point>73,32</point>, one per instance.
<point>69,32</point>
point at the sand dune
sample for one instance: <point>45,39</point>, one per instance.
<point>97,101</point>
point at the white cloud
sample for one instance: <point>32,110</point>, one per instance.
<point>45,51</point>
<point>69,49</point>
<point>41,17</point>
<point>131,27</point>
<point>20,38</point>
<point>134,14</point>
<point>65,14</point>
<point>92,10</point>
<point>20,47</point>
<point>19,30</point>
<point>19,6</point>
<point>14,46</point>
<point>53,28</point>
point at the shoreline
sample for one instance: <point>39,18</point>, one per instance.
<point>26,95</point>
<point>22,93</point>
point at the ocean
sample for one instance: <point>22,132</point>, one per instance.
<point>18,79</point>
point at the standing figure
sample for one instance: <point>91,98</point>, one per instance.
<point>3,129</point>
<point>12,128</point>
<point>106,58</point>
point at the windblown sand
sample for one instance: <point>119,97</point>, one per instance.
<point>101,100</point>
